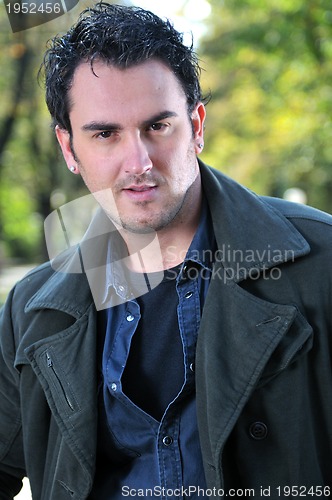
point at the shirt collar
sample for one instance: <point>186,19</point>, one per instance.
<point>203,245</point>
<point>115,273</point>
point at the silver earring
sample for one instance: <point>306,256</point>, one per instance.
<point>72,169</point>
<point>201,146</point>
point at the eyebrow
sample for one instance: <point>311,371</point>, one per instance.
<point>95,126</point>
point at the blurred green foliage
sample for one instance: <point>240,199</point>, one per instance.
<point>269,67</point>
<point>31,166</point>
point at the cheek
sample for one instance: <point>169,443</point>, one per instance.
<point>182,172</point>
<point>178,154</point>
<point>96,168</point>
<point>96,178</point>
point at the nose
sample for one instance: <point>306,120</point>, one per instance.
<point>136,158</point>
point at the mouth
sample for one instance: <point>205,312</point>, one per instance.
<point>140,187</point>
<point>144,192</point>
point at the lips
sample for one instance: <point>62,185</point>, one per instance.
<point>139,188</point>
<point>142,192</point>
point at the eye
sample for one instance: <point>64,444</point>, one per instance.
<point>105,134</point>
<point>156,127</point>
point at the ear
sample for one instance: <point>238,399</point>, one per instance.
<point>63,137</point>
<point>198,119</point>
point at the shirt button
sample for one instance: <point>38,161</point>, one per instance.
<point>167,440</point>
<point>192,367</point>
<point>258,430</point>
<point>114,387</point>
<point>188,295</point>
<point>130,317</point>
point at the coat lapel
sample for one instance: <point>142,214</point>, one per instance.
<point>243,339</point>
<point>242,342</point>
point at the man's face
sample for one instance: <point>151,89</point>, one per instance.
<point>133,138</point>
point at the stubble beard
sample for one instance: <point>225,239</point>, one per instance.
<point>153,223</point>
<point>172,212</point>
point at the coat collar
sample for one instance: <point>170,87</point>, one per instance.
<point>79,277</point>
<point>251,235</point>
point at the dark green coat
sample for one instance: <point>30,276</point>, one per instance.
<point>263,362</point>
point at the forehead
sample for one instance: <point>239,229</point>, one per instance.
<point>104,88</point>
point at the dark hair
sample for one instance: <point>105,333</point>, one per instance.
<point>122,36</point>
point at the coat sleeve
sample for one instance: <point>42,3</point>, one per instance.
<point>12,469</point>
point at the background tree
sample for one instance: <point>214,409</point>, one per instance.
<point>269,66</point>
<point>31,166</point>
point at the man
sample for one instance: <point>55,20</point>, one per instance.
<point>217,381</point>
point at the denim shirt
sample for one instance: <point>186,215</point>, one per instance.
<point>138,454</point>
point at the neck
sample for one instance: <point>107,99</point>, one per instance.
<point>175,244</point>
<point>154,252</point>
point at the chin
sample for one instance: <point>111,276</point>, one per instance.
<point>137,228</point>
<point>156,221</point>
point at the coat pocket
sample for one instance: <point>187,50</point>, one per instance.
<point>294,344</point>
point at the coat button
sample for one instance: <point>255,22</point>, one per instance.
<point>258,430</point>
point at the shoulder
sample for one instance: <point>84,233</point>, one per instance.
<point>238,195</point>
<point>46,277</point>
<point>314,225</point>
<point>29,285</point>
<point>292,210</point>
<point>34,279</point>
<point>37,276</point>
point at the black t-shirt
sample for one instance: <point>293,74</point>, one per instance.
<point>154,372</point>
